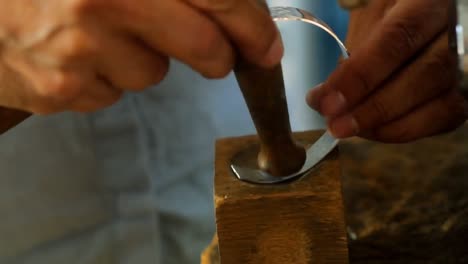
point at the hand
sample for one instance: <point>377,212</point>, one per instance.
<point>399,83</point>
<point>80,55</point>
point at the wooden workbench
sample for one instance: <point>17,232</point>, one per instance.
<point>405,203</point>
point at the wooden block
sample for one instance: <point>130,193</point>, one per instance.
<point>300,222</point>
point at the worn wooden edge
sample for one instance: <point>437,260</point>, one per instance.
<point>227,187</point>
<point>211,254</point>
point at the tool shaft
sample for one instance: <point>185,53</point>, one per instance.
<point>264,93</point>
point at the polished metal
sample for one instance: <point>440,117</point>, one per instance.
<point>326,142</point>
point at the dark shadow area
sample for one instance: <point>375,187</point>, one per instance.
<point>407,203</point>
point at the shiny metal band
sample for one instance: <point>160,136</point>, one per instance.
<point>326,142</point>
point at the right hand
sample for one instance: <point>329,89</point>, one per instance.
<point>399,84</point>
<point>80,55</point>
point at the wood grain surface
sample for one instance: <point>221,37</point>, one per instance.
<point>404,203</point>
<point>298,222</point>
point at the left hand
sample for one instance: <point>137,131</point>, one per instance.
<point>82,55</point>
<point>400,82</point>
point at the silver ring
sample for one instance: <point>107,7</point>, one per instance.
<point>326,143</point>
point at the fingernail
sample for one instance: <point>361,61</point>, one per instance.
<point>275,53</point>
<point>332,104</point>
<point>314,96</point>
<point>343,127</point>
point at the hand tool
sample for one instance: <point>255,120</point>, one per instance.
<point>280,158</point>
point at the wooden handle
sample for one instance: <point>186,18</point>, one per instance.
<point>9,118</point>
<point>264,93</point>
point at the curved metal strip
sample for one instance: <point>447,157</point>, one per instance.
<point>326,143</point>
<point>281,13</point>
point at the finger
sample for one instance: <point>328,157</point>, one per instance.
<point>173,28</point>
<point>443,114</point>
<point>48,90</point>
<point>250,26</point>
<point>14,88</point>
<point>125,61</point>
<point>363,20</point>
<point>70,48</point>
<point>406,28</point>
<point>128,64</point>
<point>425,78</point>
<point>99,94</point>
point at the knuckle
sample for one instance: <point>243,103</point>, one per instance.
<point>76,44</point>
<point>79,7</point>
<point>440,60</point>
<point>380,110</point>
<point>209,40</point>
<point>402,37</point>
<point>443,66</point>
<point>103,103</point>
<point>222,71</point>
<point>212,55</point>
<point>138,82</point>
<point>83,10</point>
<point>261,38</point>
<point>60,86</point>
<point>359,84</point>
<point>148,76</point>
<point>218,72</point>
<point>112,99</point>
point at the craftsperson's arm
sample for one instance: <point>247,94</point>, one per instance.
<point>400,82</point>
<point>81,55</point>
